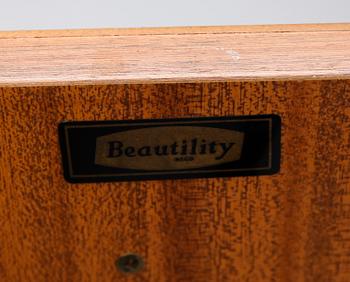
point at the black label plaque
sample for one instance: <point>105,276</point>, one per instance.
<point>96,151</point>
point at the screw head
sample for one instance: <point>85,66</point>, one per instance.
<point>129,263</point>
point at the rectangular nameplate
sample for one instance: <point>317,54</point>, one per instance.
<point>95,151</point>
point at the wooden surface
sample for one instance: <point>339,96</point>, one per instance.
<point>176,30</point>
<point>292,226</point>
<point>175,55</point>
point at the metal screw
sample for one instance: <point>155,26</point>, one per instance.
<point>130,263</point>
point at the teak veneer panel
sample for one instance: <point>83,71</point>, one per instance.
<point>291,226</point>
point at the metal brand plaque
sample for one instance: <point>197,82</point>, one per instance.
<point>173,148</point>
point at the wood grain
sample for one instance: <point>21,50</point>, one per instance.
<point>184,55</point>
<point>291,226</point>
